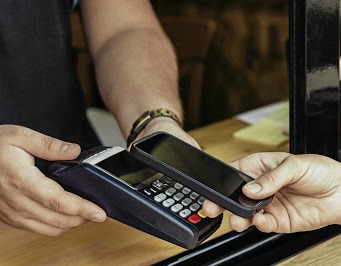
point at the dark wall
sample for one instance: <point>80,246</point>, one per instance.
<point>247,64</point>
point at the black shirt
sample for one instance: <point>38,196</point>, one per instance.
<point>39,87</point>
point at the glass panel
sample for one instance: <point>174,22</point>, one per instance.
<point>315,92</point>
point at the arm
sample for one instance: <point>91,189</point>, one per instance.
<point>135,63</point>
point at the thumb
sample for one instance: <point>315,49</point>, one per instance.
<point>269,183</point>
<point>40,145</point>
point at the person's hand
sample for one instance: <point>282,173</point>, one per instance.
<point>307,191</point>
<point>170,126</point>
<point>28,199</point>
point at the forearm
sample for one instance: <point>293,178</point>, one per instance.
<point>137,71</point>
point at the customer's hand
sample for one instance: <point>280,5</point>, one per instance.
<point>28,199</point>
<point>307,192</point>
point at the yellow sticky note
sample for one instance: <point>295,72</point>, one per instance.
<point>281,116</point>
<point>265,132</point>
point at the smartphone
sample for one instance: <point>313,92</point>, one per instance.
<point>208,176</point>
<point>137,195</point>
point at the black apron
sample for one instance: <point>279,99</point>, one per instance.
<point>39,88</point>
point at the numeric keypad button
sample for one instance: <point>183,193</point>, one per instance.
<point>177,207</point>
<point>178,196</point>
<point>194,195</point>
<point>186,190</point>
<point>160,197</point>
<point>178,185</point>
<point>170,191</point>
<point>201,200</point>
<point>168,202</point>
<point>186,201</point>
<point>194,207</point>
<point>185,213</point>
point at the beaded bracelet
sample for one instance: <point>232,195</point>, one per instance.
<point>145,118</point>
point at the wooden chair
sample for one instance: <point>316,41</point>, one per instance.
<point>191,39</point>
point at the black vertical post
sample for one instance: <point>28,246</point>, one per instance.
<point>314,77</point>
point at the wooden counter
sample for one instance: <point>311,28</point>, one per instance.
<point>113,243</point>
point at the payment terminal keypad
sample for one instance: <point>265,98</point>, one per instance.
<point>179,199</point>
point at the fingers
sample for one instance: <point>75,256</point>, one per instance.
<point>265,222</point>
<point>30,209</point>
<point>239,224</point>
<point>26,214</point>
<point>43,229</point>
<point>211,209</point>
<point>258,163</point>
<point>38,144</point>
<point>37,227</point>
<point>55,198</point>
<point>68,203</point>
<point>50,211</point>
<point>272,181</point>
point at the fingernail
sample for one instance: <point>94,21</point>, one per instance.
<point>96,217</point>
<point>253,187</point>
<point>65,147</point>
<point>68,148</point>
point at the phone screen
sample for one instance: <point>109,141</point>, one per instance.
<point>129,170</point>
<point>195,164</point>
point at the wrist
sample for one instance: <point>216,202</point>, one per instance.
<point>331,210</point>
<point>337,194</point>
<point>150,119</point>
<point>160,124</point>
<point>338,206</point>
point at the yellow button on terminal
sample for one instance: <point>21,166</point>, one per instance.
<point>201,214</point>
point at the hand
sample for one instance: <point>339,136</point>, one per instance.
<point>28,199</point>
<point>307,191</point>
<point>170,126</point>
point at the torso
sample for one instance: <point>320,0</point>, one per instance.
<point>39,87</point>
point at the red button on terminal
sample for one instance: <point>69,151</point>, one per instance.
<point>194,219</point>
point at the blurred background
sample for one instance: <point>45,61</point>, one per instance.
<point>232,55</point>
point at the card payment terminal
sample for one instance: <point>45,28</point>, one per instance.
<point>137,195</point>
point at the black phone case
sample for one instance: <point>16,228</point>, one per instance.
<point>223,201</point>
